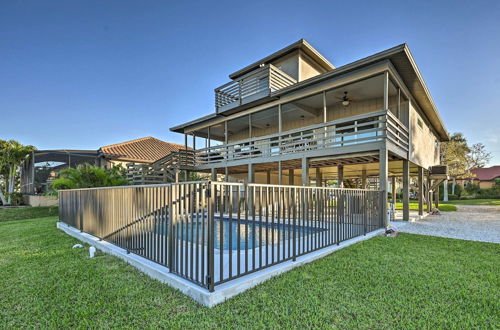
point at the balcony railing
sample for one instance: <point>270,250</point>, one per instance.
<point>372,127</point>
<point>253,86</point>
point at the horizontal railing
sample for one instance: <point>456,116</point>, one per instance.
<point>371,127</point>
<point>254,85</point>
<point>213,232</point>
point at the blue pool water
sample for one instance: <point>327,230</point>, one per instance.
<point>251,233</point>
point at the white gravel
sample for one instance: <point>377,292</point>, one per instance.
<point>470,222</point>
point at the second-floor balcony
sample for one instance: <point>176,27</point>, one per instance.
<point>251,87</point>
<point>362,129</point>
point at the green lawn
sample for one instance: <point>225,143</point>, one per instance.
<point>493,202</point>
<point>414,207</point>
<point>410,281</point>
<point>27,213</point>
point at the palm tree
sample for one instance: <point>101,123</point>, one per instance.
<point>12,154</point>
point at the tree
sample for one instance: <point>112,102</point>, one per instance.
<point>462,158</point>
<point>89,176</point>
<point>454,154</point>
<point>12,154</point>
<point>478,156</point>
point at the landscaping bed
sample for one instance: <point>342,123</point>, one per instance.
<point>410,281</point>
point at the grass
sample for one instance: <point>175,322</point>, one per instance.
<point>414,207</point>
<point>27,213</point>
<point>491,202</point>
<point>410,281</point>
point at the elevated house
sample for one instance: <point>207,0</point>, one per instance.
<point>290,136</point>
<point>293,118</point>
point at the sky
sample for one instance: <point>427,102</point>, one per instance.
<point>82,74</point>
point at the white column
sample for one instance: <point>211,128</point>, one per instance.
<point>445,192</point>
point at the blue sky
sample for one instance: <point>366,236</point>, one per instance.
<point>82,74</point>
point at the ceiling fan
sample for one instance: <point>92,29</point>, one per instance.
<point>345,100</point>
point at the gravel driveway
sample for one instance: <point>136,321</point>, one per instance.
<point>470,222</point>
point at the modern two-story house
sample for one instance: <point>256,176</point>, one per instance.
<point>293,118</point>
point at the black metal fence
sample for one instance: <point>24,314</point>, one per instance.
<point>212,232</point>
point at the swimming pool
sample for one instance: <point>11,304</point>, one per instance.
<point>245,234</point>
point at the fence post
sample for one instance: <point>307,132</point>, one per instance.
<point>364,205</point>
<point>171,218</point>
<point>294,196</point>
<point>210,238</point>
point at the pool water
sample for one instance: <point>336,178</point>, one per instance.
<point>250,233</point>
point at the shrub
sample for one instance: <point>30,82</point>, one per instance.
<point>472,189</point>
<point>89,176</point>
<point>16,198</point>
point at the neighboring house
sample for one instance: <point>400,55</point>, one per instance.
<point>139,151</point>
<point>294,118</point>
<point>484,177</point>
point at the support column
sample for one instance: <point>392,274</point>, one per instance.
<point>340,179</point>
<point>213,174</point>
<point>393,191</point>
<point>32,173</point>
<point>305,171</point>
<point>406,190</point>
<point>429,195</point>
<point>251,173</point>
<point>445,191</point>
<point>291,177</point>
<point>268,177</point>
<point>363,179</point>
<point>420,191</point>
<point>318,177</point>
<point>177,175</point>
<point>383,180</point>
<point>186,175</point>
<point>226,174</point>
<point>280,173</point>
<point>436,196</point>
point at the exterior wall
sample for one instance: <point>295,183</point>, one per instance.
<point>338,111</point>
<point>424,151</point>
<point>308,68</point>
<point>486,184</point>
<point>108,163</point>
<point>289,64</point>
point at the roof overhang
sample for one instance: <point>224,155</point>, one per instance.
<point>299,45</point>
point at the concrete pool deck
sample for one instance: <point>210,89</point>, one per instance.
<point>223,291</point>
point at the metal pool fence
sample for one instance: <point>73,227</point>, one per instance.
<point>212,232</point>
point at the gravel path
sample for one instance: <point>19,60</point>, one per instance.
<point>470,222</point>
